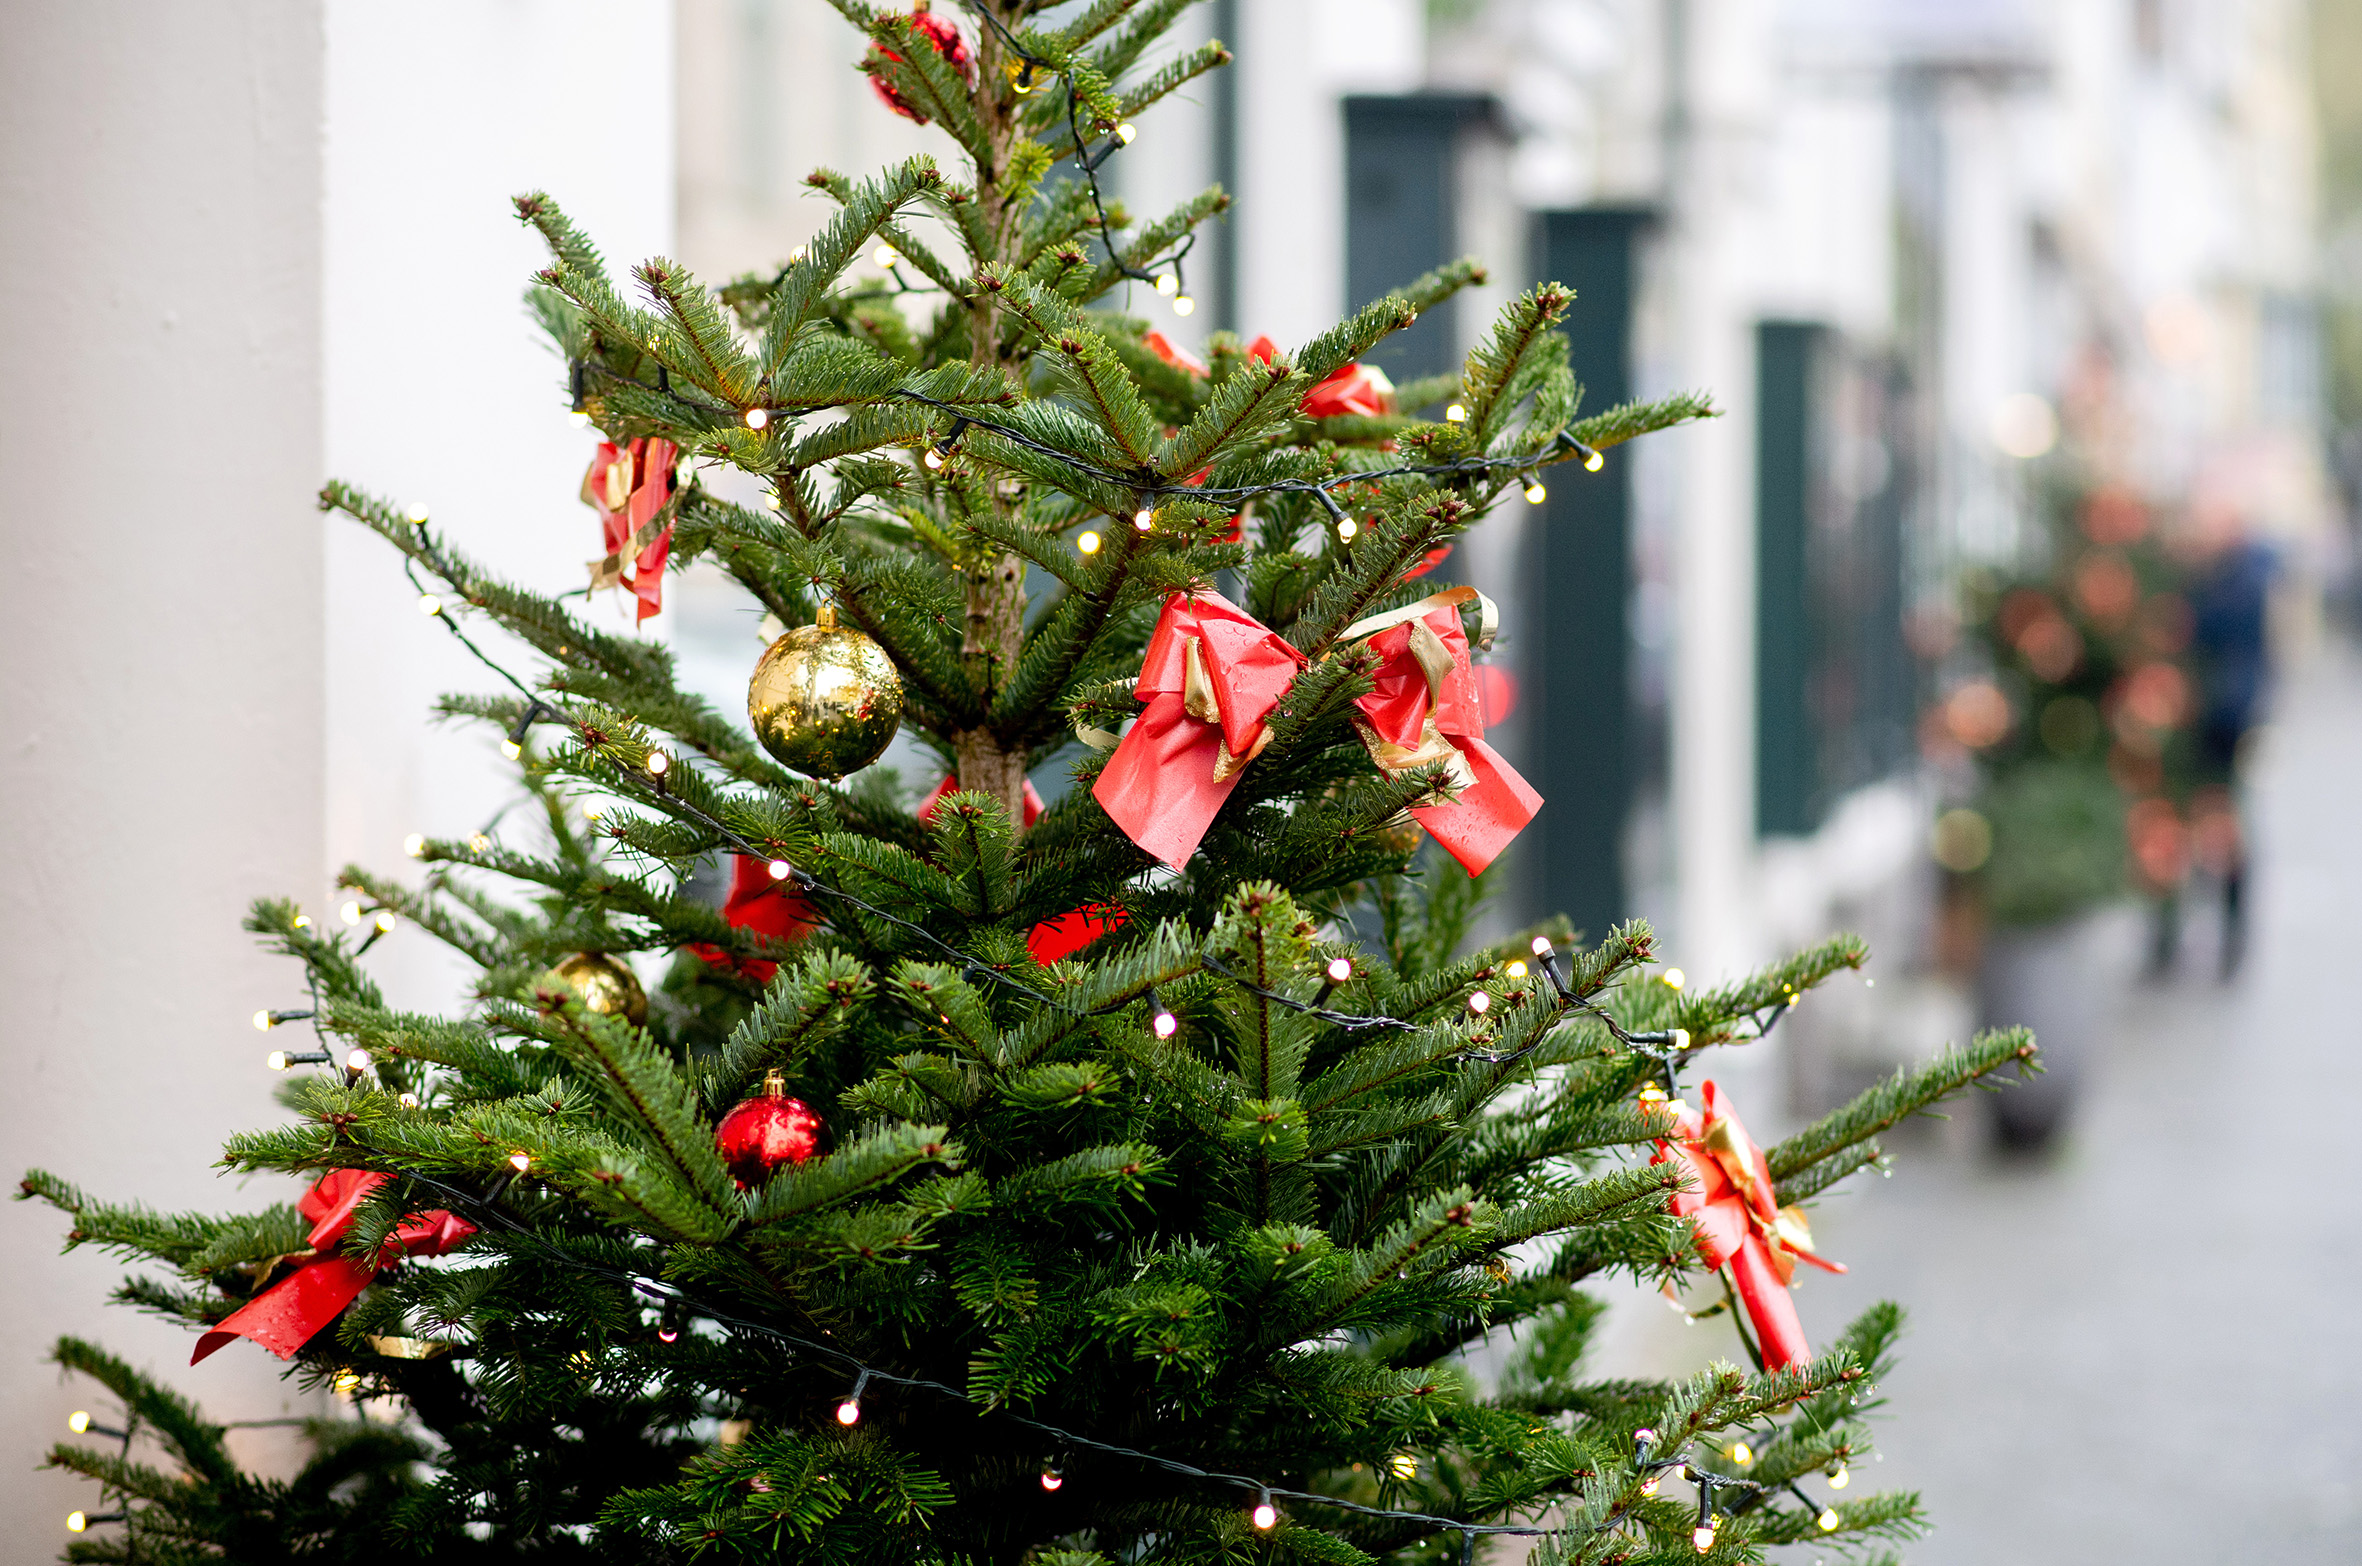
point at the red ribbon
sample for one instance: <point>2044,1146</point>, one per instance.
<point>285,1316</point>
<point>1071,931</point>
<point>628,489</point>
<point>1212,673</point>
<point>767,906</point>
<point>1348,389</point>
<point>1740,1224</point>
<point>1426,710</point>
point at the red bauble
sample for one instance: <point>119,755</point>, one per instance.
<point>948,43</point>
<point>766,1131</point>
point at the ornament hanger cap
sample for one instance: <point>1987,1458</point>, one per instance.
<point>827,618</point>
<point>774,1084</point>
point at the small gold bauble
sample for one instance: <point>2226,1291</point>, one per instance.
<point>825,699</point>
<point>606,986</point>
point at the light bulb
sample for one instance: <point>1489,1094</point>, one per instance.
<point>1594,462</point>
<point>1164,1025</point>
<point>1535,494</point>
<point>264,1021</point>
<point>1741,1453</point>
<point>886,255</point>
<point>779,869</point>
<point>415,511</point>
<point>78,1421</point>
<point>1456,414</point>
<point>578,419</point>
<point>1827,1519</point>
<point>1183,305</point>
<point>771,502</point>
<point>347,1380</point>
<point>77,1521</point>
<point>1143,519</point>
<point>358,1060</point>
<point>1515,968</point>
<point>757,418</point>
<point>1051,1477</point>
<point>408,1100</point>
<point>303,921</point>
<point>1168,284</point>
<point>520,1161</point>
<point>798,253</point>
<point>1266,1515</point>
<point>429,604</point>
<point>1348,530</point>
<point>1340,969</point>
<point>592,809</point>
<point>1648,1486</point>
<point>1541,946</point>
<point>1088,543</point>
<point>668,1334</point>
<point>276,1060</point>
<point>1021,76</point>
<point>415,845</point>
<point>1675,978</point>
<point>1403,1465</point>
<point>1644,1434</point>
<point>1480,1003</point>
<point>658,763</point>
<point>1677,1037</point>
<point>1126,131</point>
<point>933,459</point>
<point>386,921</point>
<point>1702,1537</point>
<point>1839,1478</point>
<point>479,843</point>
<point>849,1411</point>
<point>511,749</point>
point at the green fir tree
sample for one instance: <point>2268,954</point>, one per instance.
<point>1092,1253</point>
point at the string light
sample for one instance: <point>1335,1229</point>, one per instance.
<point>579,419</point>
<point>658,763</point>
<point>1479,1002</point>
<point>1052,1476</point>
<point>1839,1478</point>
<point>1348,530</point>
<point>668,1327</point>
<point>933,459</point>
<point>849,1411</point>
<point>479,843</point>
<point>1168,283</point>
<point>1515,968</point>
<point>1183,304</point>
<point>520,1160</point>
<point>798,253</point>
<point>281,1059</point>
<point>1674,978</point>
<point>358,1061</point>
<point>1457,413</point>
<point>1126,131</point>
<point>1403,1465</point>
<point>408,1100</point>
<point>757,418</point>
<point>429,605</point>
<point>80,1422</point>
<point>1021,76</point>
<point>1703,1534</point>
<point>347,1381</point>
<point>415,845</point>
<point>386,921</point>
<point>592,809</point>
<point>1144,519</point>
<point>1828,1519</point>
<point>886,256</point>
<point>511,749</point>
<point>264,1021</point>
<point>1088,543</point>
<point>1593,461</point>
<point>1265,1516</point>
<point>1535,494</point>
<point>1741,1453</point>
<point>77,1522</point>
<point>416,512</point>
<point>1340,969</point>
<point>1161,1021</point>
<point>780,869</point>
<point>303,921</point>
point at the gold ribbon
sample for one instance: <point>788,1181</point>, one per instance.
<point>1435,661</point>
<point>1488,616</point>
<point>1787,1233</point>
<point>1094,736</point>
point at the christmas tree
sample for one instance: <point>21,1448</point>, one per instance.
<point>988,1182</point>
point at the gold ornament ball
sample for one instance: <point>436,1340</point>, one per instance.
<point>606,986</point>
<point>825,699</point>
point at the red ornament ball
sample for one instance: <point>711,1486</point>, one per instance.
<point>766,1131</point>
<point>948,43</point>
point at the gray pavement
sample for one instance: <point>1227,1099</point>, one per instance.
<point>2147,1345</point>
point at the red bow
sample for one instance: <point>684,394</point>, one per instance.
<point>765,905</point>
<point>284,1316</point>
<point>1740,1225</point>
<point>1349,388</point>
<point>1428,708</point>
<point>628,487</point>
<point>1212,673</point>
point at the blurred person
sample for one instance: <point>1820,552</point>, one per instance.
<point>2230,595</point>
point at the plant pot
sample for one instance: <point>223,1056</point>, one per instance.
<point>2061,980</point>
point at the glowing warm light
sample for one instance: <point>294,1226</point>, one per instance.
<point>429,604</point>
<point>479,843</point>
<point>592,809</point>
<point>511,749</point>
<point>1126,131</point>
<point>264,1021</point>
<point>1516,968</point>
<point>1741,1453</point>
<point>933,459</point>
<point>78,1421</point>
<point>1679,1037</point>
<point>1455,414</point>
<point>359,1060</point>
<point>757,418</point>
<point>347,1380</point>
<point>1675,978</point>
<point>303,921</point>
<point>779,869</point>
<point>1168,284</point>
<point>1266,1515</point>
<point>408,1100</point>
<point>1143,519</point>
<point>1348,530</point>
<point>1403,1465</point>
<point>1648,1486</point>
<point>849,1412</point>
<point>1480,1003</point>
<point>1165,1025</point>
<point>1594,462</point>
<point>1183,305</point>
<point>415,845</point>
<point>578,419</point>
<point>1827,1519</point>
<point>886,255</point>
<point>415,511</point>
<point>386,921</point>
<point>1340,969</point>
<point>77,1521</point>
<point>1702,1537</point>
<point>276,1060</point>
<point>1051,1477</point>
<point>658,763</point>
<point>1088,543</point>
<point>1838,1477</point>
<point>1542,946</point>
<point>1535,494</point>
<point>520,1161</point>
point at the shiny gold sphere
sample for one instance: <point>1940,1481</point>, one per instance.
<point>825,699</point>
<point>606,986</point>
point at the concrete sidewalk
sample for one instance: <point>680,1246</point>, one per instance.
<point>2145,1346</point>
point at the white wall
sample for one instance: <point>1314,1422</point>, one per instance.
<point>160,426</point>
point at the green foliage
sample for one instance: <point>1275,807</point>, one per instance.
<point>1260,1240</point>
